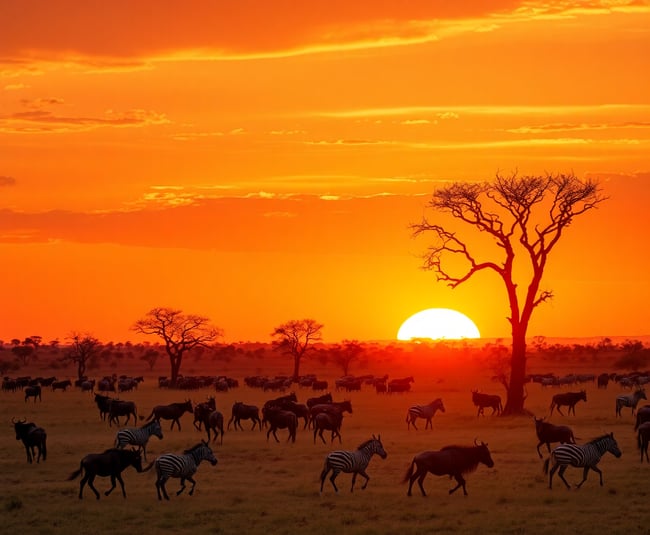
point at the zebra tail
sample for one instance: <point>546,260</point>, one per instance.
<point>75,474</point>
<point>546,463</point>
<point>409,472</point>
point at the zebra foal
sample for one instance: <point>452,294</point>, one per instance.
<point>586,456</point>
<point>352,461</point>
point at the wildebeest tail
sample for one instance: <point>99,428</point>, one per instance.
<point>75,474</point>
<point>148,417</point>
<point>409,472</point>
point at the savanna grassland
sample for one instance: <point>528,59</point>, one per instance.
<point>265,487</point>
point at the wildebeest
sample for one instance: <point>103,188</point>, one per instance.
<point>214,423</point>
<point>61,385</point>
<point>629,400</point>
<point>299,409</point>
<point>33,437</point>
<point>481,401</point>
<point>202,412</point>
<point>568,398</point>
<point>642,416</point>
<point>399,385</point>
<point>424,411</point>
<point>603,380</point>
<point>643,438</point>
<point>172,412</point>
<point>325,398</point>
<point>548,433</point>
<point>242,411</point>
<point>452,461</point>
<point>352,461</point>
<point>119,408</point>
<point>328,422</point>
<point>33,392</point>
<point>103,404</point>
<point>585,456</point>
<point>334,406</point>
<point>280,419</point>
<point>111,463</point>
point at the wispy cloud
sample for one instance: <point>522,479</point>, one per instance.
<point>7,181</point>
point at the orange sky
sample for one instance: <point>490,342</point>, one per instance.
<point>259,161</point>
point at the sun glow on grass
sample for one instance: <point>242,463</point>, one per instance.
<point>436,324</point>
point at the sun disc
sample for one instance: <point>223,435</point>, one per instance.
<point>438,323</point>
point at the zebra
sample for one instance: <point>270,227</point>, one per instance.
<point>138,436</point>
<point>629,400</point>
<point>423,411</point>
<point>182,466</point>
<point>352,461</point>
<point>587,456</point>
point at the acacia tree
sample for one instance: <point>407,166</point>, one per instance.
<point>525,217</point>
<point>83,349</point>
<point>295,338</point>
<point>343,355</point>
<point>180,332</point>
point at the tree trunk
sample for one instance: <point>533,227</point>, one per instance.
<point>515,402</point>
<point>296,367</point>
<point>81,369</point>
<point>175,361</point>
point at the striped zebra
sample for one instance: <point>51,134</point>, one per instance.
<point>587,456</point>
<point>138,436</point>
<point>182,466</point>
<point>352,461</point>
<point>629,400</point>
<point>423,411</point>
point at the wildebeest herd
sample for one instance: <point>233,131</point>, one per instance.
<point>321,414</point>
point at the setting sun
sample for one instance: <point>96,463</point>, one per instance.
<point>438,323</point>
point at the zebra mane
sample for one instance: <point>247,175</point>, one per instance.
<point>598,439</point>
<point>193,448</point>
<point>364,444</point>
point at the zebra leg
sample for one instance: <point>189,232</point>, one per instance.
<point>335,473</point>
<point>561,474</point>
<point>191,480</point>
<point>160,488</point>
<point>413,422</point>
<point>551,473</point>
<point>178,493</point>
<point>354,478</point>
<point>323,475</point>
<point>363,473</point>
<point>428,424</point>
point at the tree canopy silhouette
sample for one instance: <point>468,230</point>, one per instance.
<point>83,349</point>
<point>525,216</point>
<point>295,338</point>
<point>180,332</point>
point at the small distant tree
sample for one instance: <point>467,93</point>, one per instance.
<point>345,354</point>
<point>180,332</point>
<point>84,348</point>
<point>23,353</point>
<point>296,338</point>
<point>151,356</point>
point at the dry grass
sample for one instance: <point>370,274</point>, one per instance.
<point>264,487</point>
